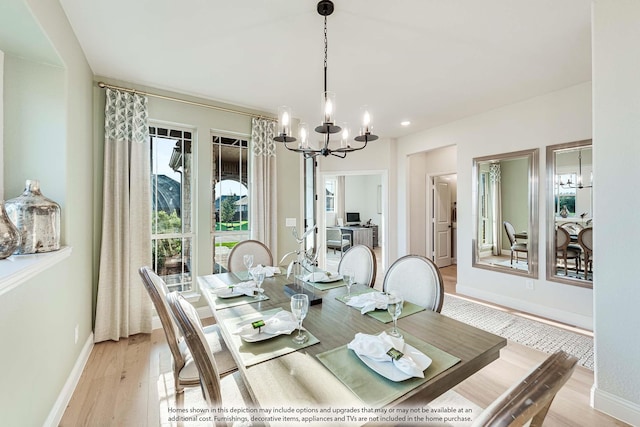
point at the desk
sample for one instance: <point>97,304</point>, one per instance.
<point>299,379</point>
<point>360,235</point>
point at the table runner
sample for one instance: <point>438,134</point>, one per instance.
<point>373,389</point>
<point>408,308</point>
<point>257,352</point>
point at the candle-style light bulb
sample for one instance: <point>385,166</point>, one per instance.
<point>365,129</point>
<point>304,135</point>
<point>328,110</point>
<point>344,141</point>
<point>284,120</point>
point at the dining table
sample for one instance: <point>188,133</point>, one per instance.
<point>289,380</point>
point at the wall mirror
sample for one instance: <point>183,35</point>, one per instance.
<point>570,213</point>
<point>506,213</point>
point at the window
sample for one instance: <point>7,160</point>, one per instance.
<point>330,196</point>
<point>230,196</point>
<point>566,195</point>
<point>172,202</point>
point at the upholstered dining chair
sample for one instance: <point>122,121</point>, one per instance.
<point>418,280</point>
<point>585,240</point>
<point>529,400</point>
<point>229,390</point>
<point>565,250</point>
<point>261,255</point>
<point>362,261</point>
<point>184,370</point>
<point>515,245</point>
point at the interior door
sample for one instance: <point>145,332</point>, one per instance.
<point>441,220</point>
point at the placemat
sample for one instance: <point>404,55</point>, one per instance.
<point>261,351</point>
<point>408,308</point>
<point>324,286</point>
<point>373,389</point>
<point>212,282</point>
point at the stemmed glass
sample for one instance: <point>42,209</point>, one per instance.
<point>394,308</point>
<point>259,278</point>
<point>248,262</point>
<point>299,308</point>
<point>348,277</point>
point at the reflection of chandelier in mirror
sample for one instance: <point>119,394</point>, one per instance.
<point>328,126</point>
<point>579,180</point>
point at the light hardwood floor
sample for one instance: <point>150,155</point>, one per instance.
<point>129,383</point>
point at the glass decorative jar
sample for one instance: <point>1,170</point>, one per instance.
<point>9,235</point>
<point>37,218</point>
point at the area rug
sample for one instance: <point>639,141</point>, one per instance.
<point>519,265</point>
<point>531,333</point>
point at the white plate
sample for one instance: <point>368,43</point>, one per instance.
<point>388,369</point>
<point>253,337</point>
<point>321,277</point>
<point>230,295</point>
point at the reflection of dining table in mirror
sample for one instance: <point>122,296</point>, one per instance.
<point>304,376</point>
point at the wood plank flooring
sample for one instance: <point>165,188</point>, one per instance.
<point>130,383</point>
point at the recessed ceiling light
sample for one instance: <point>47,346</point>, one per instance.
<point>405,123</point>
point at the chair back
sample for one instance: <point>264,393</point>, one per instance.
<point>511,232</point>
<point>157,290</point>
<point>261,255</point>
<point>562,239</point>
<point>530,399</point>
<point>188,321</point>
<point>362,261</point>
<point>585,239</point>
<point>418,280</point>
<point>572,227</point>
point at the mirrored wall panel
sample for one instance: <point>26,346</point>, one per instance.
<point>570,213</point>
<point>505,213</point>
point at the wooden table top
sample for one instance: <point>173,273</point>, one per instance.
<point>299,378</point>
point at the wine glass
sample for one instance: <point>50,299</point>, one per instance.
<point>259,278</point>
<point>248,262</point>
<point>348,277</point>
<point>394,308</point>
<point>299,308</point>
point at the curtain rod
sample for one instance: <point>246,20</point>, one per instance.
<point>184,101</point>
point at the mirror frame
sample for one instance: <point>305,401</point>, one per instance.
<point>551,222</point>
<point>533,230</point>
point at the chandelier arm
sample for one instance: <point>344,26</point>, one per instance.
<point>337,153</point>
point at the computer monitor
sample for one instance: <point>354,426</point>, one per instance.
<point>353,218</point>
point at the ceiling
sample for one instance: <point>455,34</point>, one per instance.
<point>427,61</point>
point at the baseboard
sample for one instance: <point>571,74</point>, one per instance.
<point>56,413</point>
<point>615,406</point>
<point>584,322</point>
<point>203,311</point>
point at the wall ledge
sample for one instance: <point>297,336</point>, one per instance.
<point>17,269</point>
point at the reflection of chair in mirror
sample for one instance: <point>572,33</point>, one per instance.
<point>574,229</point>
<point>261,255</point>
<point>527,402</point>
<point>337,240</point>
<point>515,245</point>
<point>585,239</point>
<point>362,261</point>
<point>417,280</point>
<point>565,250</point>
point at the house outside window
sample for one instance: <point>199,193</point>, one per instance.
<point>230,196</point>
<point>172,205</point>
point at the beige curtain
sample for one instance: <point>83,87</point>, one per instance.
<point>496,206</point>
<point>263,201</point>
<point>123,308</point>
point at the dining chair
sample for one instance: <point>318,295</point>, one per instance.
<point>515,245</point>
<point>529,400</point>
<point>362,261</point>
<point>261,255</point>
<point>585,240</point>
<point>418,280</point>
<point>565,250</point>
<point>184,371</point>
<point>212,385</point>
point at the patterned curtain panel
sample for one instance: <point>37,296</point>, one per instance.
<point>264,203</point>
<point>123,307</point>
<point>496,205</point>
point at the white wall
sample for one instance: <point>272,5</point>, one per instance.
<point>561,116</point>
<point>616,154</point>
<point>361,195</point>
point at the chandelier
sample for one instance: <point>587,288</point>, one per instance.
<point>579,184</point>
<point>328,125</point>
